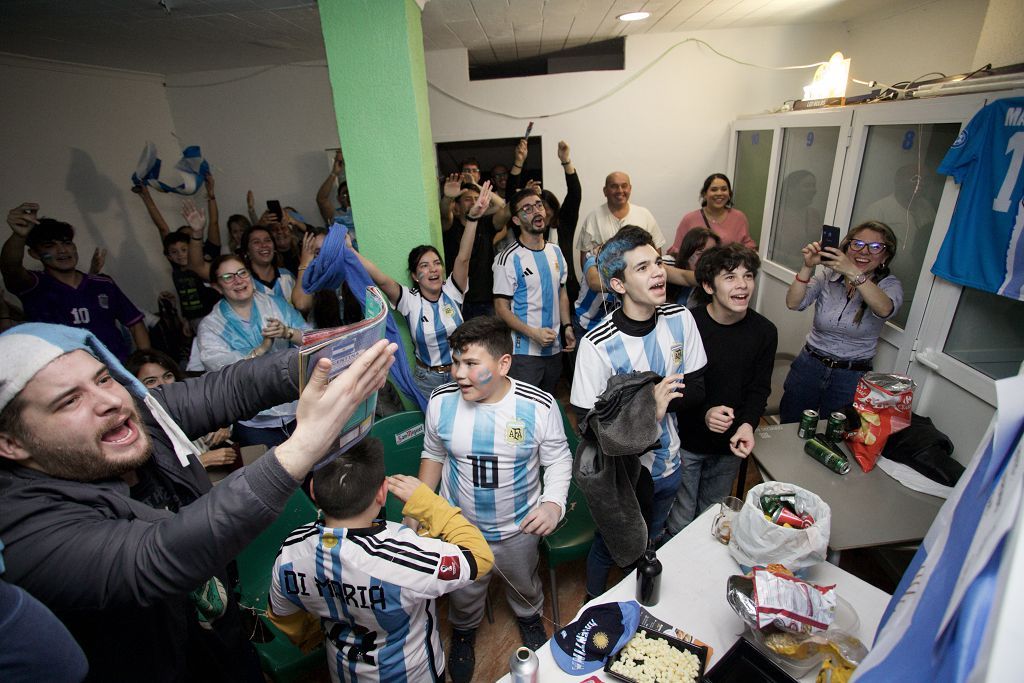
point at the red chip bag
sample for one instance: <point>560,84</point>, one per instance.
<point>883,402</point>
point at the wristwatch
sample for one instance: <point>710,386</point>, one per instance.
<point>859,280</point>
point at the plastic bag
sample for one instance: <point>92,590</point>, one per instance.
<point>883,403</point>
<point>757,541</point>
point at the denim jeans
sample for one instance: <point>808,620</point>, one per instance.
<point>812,384</point>
<point>428,380</point>
<point>269,437</point>
<point>600,562</point>
<point>707,479</point>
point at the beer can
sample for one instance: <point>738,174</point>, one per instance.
<point>523,666</point>
<point>808,423</point>
<point>784,515</point>
<point>819,450</point>
<point>808,519</point>
<point>836,427</point>
<point>771,501</point>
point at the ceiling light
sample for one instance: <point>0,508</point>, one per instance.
<point>633,16</point>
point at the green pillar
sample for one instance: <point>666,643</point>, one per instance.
<point>379,82</point>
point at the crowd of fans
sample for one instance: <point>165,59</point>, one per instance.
<point>496,324</point>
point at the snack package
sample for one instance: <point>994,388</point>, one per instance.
<point>882,402</point>
<point>791,604</point>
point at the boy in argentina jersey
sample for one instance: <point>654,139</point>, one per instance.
<point>372,585</point>
<point>644,334</point>
<point>530,297</point>
<point>485,438</point>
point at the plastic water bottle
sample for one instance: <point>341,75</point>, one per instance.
<point>648,578</point>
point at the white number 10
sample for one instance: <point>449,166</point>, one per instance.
<point>1015,146</point>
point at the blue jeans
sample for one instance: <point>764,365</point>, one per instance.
<point>812,384</point>
<point>599,560</point>
<point>707,479</point>
<point>428,380</point>
<point>269,437</point>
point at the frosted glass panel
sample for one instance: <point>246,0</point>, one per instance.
<point>750,183</point>
<point>808,156</point>
<point>987,333</point>
<point>899,186</point>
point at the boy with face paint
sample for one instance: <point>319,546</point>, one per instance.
<point>486,437</point>
<point>644,334</point>
<point>740,345</point>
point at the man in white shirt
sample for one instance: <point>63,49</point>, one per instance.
<point>604,221</point>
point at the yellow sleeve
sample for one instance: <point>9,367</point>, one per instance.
<point>302,628</point>
<point>440,520</point>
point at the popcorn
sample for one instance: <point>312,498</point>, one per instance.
<point>653,660</point>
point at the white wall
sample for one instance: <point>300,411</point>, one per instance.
<point>264,130</point>
<point>999,43</point>
<point>906,43</point>
<point>668,129</point>
<point>71,138</point>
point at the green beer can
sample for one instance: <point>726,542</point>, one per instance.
<point>808,423</point>
<point>817,447</point>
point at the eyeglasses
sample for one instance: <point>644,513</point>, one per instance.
<point>228,278</point>
<point>873,247</point>
<point>530,209</point>
<point>499,175</point>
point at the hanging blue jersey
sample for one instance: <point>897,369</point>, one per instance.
<point>983,247</point>
<point>430,322</point>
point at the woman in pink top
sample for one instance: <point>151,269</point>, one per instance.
<point>717,215</point>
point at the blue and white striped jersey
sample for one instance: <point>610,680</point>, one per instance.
<point>430,322</point>
<point>373,590</point>
<point>533,281</point>
<point>591,306</point>
<point>672,346</point>
<point>492,454</point>
<point>283,285</point>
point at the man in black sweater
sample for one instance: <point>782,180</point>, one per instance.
<point>740,345</point>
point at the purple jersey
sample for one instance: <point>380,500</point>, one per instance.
<point>96,304</point>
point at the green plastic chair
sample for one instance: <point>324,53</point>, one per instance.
<point>279,658</point>
<point>402,436</point>
<point>573,538</point>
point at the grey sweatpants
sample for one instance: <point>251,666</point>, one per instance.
<point>517,559</point>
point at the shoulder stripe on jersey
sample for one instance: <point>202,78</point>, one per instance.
<point>300,534</point>
<point>386,542</point>
<point>503,256</point>
<point>471,560</point>
<point>390,557</point>
<point>669,309</point>
<point>448,388</point>
<point>602,332</point>
<point>533,394</point>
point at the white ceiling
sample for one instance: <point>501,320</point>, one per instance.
<point>200,35</point>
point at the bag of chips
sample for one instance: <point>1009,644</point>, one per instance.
<point>882,402</point>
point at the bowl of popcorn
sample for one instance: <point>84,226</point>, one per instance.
<point>652,657</point>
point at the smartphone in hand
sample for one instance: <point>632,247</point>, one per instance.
<point>274,207</point>
<point>829,236</point>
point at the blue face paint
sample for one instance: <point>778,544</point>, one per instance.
<point>485,377</point>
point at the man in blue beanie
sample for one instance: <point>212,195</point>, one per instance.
<point>108,516</point>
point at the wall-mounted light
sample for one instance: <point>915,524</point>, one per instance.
<point>633,16</point>
<point>829,80</point>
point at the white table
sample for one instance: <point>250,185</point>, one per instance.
<point>868,508</point>
<point>694,574</point>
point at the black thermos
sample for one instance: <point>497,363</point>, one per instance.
<point>648,578</point>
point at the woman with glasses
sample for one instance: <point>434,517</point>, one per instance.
<point>246,324</point>
<point>433,305</point>
<point>853,296</point>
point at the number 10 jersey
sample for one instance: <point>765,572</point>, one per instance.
<point>492,454</point>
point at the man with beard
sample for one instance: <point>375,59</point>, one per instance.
<point>60,293</point>
<point>530,296</point>
<point>107,513</point>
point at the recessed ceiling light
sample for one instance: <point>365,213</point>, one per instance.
<point>633,16</point>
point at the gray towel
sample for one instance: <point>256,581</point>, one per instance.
<point>615,433</point>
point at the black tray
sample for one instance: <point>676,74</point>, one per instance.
<point>698,650</point>
<point>743,663</point>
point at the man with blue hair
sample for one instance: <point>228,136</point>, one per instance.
<point>106,511</point>
<point>644,334</point>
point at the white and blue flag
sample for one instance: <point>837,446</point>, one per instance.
<point>186,177</point>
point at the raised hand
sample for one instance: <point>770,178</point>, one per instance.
<point>195,217</point>
<point>533,186</point>
<point>453,185</point>
<point>308,252</point>
<point>563,151</point>
<point>812,254</point>
<point>338,167</point>
<point>519,156</point>
<point>478,208</point>
<point>402,486</point>
<point>209,185</point>
<point>99,259</point>
<point>23,217</point>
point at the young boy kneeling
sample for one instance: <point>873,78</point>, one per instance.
<point>372,584</point>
